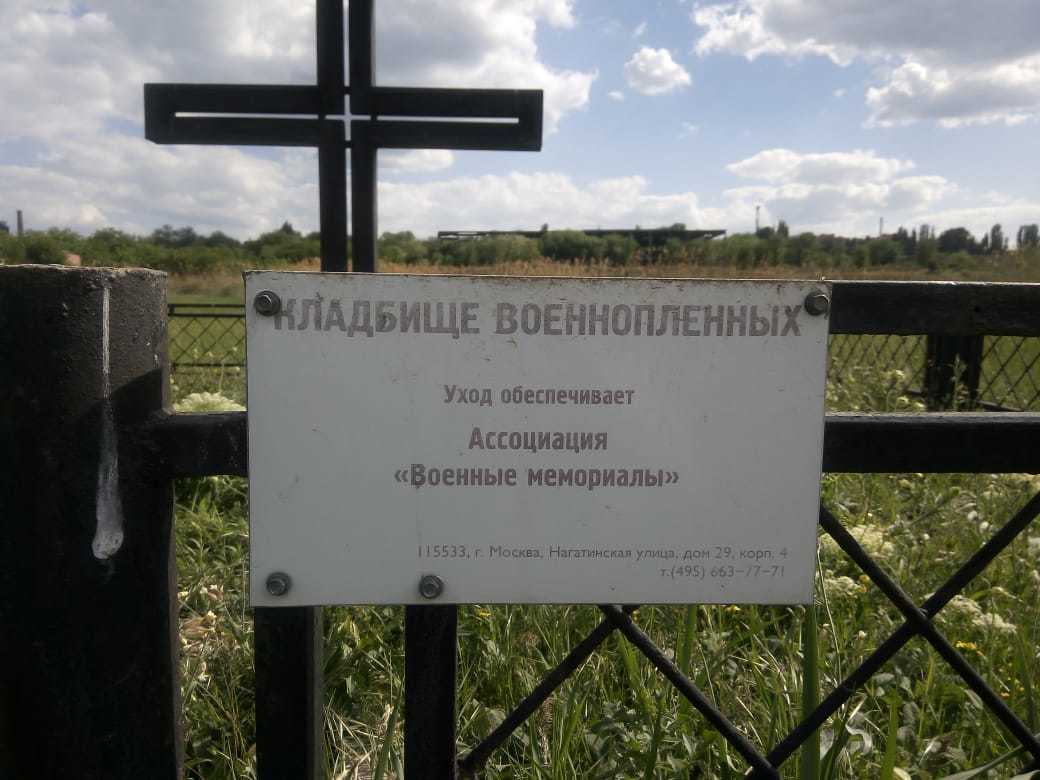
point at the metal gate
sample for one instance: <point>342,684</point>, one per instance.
<point>89,684</point>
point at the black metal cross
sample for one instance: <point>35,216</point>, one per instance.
<point>316,116</point>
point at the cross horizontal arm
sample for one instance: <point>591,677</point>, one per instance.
<point>524,106</point>
<point>162,103</point>
<point>488,136</point>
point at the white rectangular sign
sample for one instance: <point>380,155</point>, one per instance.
<point>533,440</point>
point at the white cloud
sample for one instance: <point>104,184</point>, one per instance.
<point>78,67</point>
<point>946,60</point>
<point>835,168</point>
<point>837,192</point>
<point>1006,93</point>
<point>71,99</point>
<point>482,43</point>
<point>616,94</point>
<point>640,30</point>
<point>528,200</point>
<point>654,72</point>
<point>416,160</point>
<point>127,182</point>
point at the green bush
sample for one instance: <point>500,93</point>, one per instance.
<point>402,247</point>
<point>43,250</point>
<point>572,245</point>
<point>485,251</point>
<point>619,249</point>
<point>12,249</point>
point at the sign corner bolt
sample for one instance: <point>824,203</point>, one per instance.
<point>267,303</point>
<point>817,303</point>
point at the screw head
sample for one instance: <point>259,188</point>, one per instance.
<point>817,303</point>
<point>278,583</point>
<point>431,586</point>
<point>267,303</point>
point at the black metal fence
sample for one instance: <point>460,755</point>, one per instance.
<point>992,372</point>
<point>89,686</point>
<point>873,313</point>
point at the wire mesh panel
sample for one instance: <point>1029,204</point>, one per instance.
<point>1010,376</point>
<point>207,349</point>
<point>207,335</point>
<point>892,366</point>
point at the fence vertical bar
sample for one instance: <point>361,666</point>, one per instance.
<point>944,387</point>
<point>88,669</point>
<point>431,657</point>
<point>289,687</point>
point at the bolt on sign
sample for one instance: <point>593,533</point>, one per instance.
<point>494,440</point>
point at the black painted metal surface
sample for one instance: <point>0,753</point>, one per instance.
<point>430,661</point>
<point>88,639</point>
<point>316,116</point>
<point>289,716</point>
<point>476,758</point>
<point>964,308</point>
<point>953,368</point>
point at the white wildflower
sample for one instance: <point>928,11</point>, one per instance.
<point>991,621</point>
<point>870,538</point>
<point>962,606</point>
<point>841,587</point>
<point>207,402</point>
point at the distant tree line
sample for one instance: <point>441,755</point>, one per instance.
<point>182,250</point>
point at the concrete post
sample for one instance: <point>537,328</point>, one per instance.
<point>88,671</point>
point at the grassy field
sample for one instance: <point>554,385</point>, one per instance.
<point>616,718</point>
<point>227,287</point>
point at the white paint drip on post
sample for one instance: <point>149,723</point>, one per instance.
<point>108,536</point>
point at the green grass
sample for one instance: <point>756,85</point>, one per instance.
<point>618,718</point>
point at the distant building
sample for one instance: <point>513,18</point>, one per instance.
<point>647,238</point>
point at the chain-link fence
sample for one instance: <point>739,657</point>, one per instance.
<point>207,353</point>
<point>207,349</point>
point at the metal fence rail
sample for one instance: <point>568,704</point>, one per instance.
<point>994,372</point>
<point>195,445</point>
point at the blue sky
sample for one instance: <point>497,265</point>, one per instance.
<point>829,115</point>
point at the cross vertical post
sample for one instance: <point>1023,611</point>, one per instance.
<point>362,155</point>
<point>332,163</point>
